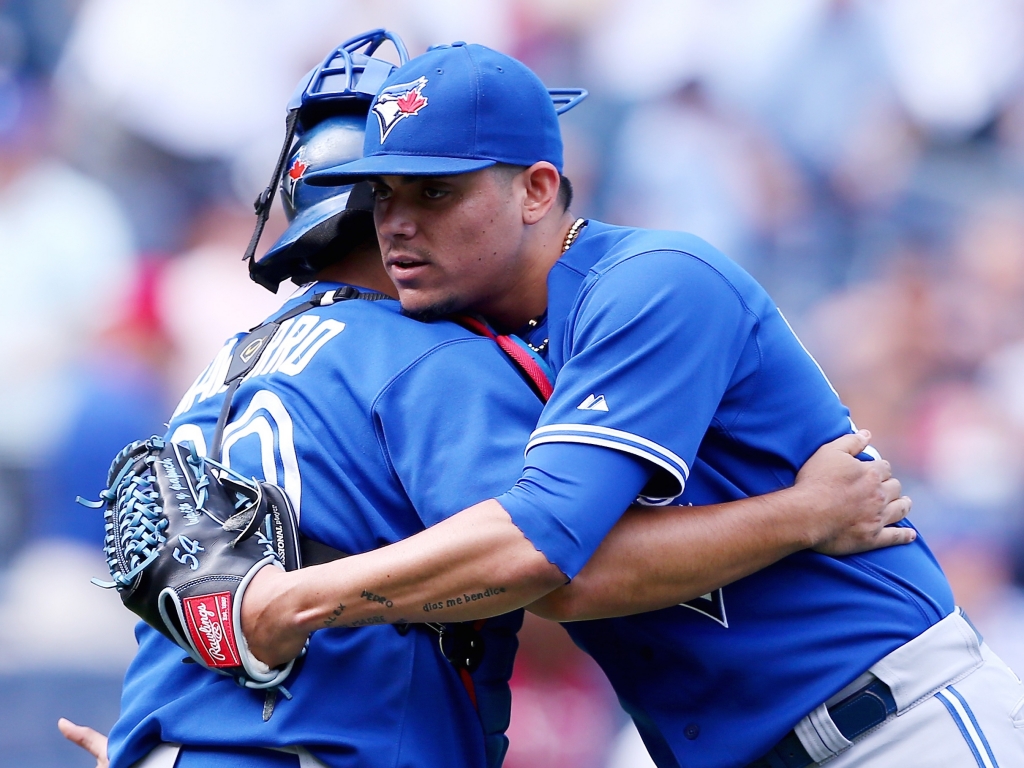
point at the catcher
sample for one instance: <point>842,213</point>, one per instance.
<point>364,427</point>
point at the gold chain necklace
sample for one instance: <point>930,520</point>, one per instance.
<point>541,348</point>
<point>570,236</point>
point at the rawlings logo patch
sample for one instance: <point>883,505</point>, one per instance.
<point>209,624</point>
<point>398,102</point>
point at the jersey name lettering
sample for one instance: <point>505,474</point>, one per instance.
<point>289,352</point>
<point>210,381</point>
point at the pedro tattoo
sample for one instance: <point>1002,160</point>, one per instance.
<point>374,598</point>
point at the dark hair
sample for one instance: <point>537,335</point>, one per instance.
<point>564,185</point>
<point>564,192</point>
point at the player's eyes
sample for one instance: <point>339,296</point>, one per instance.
<point>381,193</point>
<point>434,193</point>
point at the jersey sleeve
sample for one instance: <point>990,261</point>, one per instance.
<point>453,427</point>
<point>570,496</point>
<point>652,345</point>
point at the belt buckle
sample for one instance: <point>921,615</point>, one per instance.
<point>858,713</point>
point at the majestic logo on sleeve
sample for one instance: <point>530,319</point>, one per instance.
<point>398,102</point>
<point>593,403</point>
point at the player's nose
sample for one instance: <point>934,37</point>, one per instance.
<point>394,220</point>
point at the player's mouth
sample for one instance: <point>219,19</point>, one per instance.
<point>405,267</point>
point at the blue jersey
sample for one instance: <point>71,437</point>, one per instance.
<point>666,350</point>
<point>376,426</point>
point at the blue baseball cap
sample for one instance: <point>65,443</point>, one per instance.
<point>455,109</point>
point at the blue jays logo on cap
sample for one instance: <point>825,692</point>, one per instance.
<point>485,108</point>
<point>295,172</point>
<point>397,102</point>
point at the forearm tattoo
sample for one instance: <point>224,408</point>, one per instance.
<point>373,598</point>
<point>334,615</point>
<point>463,599</point>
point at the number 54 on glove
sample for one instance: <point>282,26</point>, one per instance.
<point>184,536</point>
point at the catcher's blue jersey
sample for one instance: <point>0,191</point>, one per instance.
<point>376,426</point>
<point>667,350</point>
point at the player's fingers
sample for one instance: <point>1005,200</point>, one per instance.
<point>897,510</point>
<point>891,537</point>
<point>82,735</point>
<point>884,468</point>
<point>892,489</point>
<point>91,741</point>
<point>853,443</point>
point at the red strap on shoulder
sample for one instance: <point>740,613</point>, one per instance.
<point>522,359</point>
<point>478,327</point>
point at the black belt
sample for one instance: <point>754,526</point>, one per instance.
<point>855,715</point>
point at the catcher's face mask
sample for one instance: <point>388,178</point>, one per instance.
<point>324,127</point>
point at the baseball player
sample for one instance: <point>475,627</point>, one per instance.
<point>678,380</point>
<point>378,426</point>
<point>337,414</point>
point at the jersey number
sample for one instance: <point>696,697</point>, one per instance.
<point>259,441</point>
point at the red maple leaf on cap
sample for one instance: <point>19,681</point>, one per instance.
<point>411,102</point>
<point>298,168</point>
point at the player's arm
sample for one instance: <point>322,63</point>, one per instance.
<point>451,427</point>
<point>478,563</point>
<point>658,557</point>
<point>508,552</point>
<point>475,564</point>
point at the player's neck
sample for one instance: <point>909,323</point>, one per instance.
<point>528,297</point>
<point>361,267</point>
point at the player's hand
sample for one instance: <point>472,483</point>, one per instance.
<point>855,501</point>
<point>268,621</point>
<point>93,742</point>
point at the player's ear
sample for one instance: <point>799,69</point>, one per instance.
<point>540,184</point>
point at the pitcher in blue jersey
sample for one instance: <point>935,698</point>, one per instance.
<point>678,380</point>
<point>378,426</point>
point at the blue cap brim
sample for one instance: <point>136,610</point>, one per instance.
<point>395,165</point>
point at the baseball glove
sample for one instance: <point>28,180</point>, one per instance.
<point>184,536</point>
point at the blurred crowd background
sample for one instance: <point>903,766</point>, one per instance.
<point>864,160</point>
